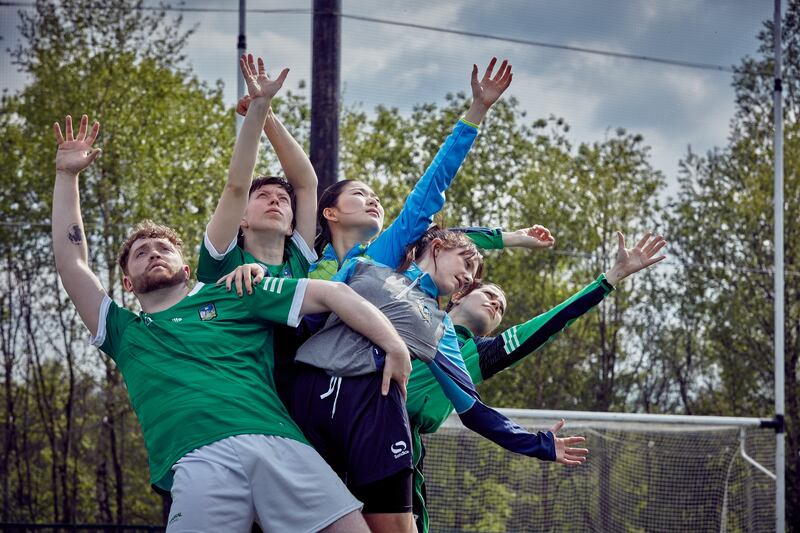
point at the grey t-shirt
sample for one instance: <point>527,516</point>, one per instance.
<point>342,352</point>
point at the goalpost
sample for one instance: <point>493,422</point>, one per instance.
<point>644,473</point>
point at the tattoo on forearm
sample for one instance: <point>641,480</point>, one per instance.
<point>75,235</point>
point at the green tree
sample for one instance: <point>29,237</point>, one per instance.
<point>722,225</point>
<point>166,139</point>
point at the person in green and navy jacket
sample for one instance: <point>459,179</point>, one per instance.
<point>478,313</point>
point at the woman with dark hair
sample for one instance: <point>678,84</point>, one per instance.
<point>350,215</point>
<point>364,434</point>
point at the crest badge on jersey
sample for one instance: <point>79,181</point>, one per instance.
<point>424,310</point>
<point>208,312</point>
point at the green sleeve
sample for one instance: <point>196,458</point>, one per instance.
<point>278,300</point>
<point>484,238</point>
<point>111,327</point>
<point>516,343</point>
<point>212,265</point>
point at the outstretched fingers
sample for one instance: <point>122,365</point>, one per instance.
<point>93,133</point>
<point>643,241</point>
<point>57,132</point>
<point>68,121</point>
<point>504,70</point>
<point>262,71</point>
<point>488,74</point>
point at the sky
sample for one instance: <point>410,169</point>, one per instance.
<point>673,107</point>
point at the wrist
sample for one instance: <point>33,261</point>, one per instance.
<point>261,104</point>
<point>614,275</point>
<point>66,174</point>
<point>509,239</point>
<point>476,112</point>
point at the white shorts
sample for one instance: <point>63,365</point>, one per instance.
<point>282,484</point>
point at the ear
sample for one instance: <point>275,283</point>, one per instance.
<point>330,214</point>
<point>436,246</point>
<point>243,223</point>
<point>127,284</point>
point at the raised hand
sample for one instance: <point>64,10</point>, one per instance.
<point>532,238</point>
<point>489,89</point>
<point>75,153</point>
<point>565,454</point>
<point>259,84</point>
<point>632,260</point>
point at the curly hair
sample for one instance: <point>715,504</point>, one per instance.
<point>147,229</point>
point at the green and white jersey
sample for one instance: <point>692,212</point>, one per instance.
<point>201,370</point>
<point>212,264</point>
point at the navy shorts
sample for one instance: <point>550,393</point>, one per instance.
<point>364,436</point>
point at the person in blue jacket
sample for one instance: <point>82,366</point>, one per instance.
<point>350,215</point>
<point>356,417</point>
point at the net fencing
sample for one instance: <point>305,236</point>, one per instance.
<point>640,476</point>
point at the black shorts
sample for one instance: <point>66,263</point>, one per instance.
<point>364,436</point>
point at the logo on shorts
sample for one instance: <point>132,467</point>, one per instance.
<point>175,518</point>
<point>208,312</point>
<point>399,449</point>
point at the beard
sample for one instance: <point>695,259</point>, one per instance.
<point>153,281</point>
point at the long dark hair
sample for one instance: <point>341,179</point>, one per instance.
<point>329,198</point>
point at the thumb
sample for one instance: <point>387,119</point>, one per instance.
<point>282,76</point>
<point>557,427</point>
<point>621,241</point>
<point>474,73</point>
<point>387,378</point>
<point>94,153</point>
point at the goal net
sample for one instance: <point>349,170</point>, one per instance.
<point>644,473</point>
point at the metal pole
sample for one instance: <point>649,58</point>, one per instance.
<point>241,48</point>
<point>780,467</point>
<point>325,67</point>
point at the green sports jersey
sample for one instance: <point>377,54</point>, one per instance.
<point>201,370</point>
<point>212,265</point>
<point>427,405</point>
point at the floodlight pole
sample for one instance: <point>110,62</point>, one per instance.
<point>241,49</point>
<point>780,441</point>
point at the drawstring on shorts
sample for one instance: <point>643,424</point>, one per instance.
<point>336,382</point>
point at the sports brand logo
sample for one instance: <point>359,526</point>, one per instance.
<point>424,310</point>
<point>399,449</point>
<point>207,312</point>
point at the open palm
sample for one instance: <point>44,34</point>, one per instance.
<point>489,89</point>
<point>75,153</point>
<point>259,84</point>
<point>641,256</point>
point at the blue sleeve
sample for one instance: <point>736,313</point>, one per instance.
<point>452,375</point>
<point>425,200</point>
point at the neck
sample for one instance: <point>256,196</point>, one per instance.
<point>463,320</point>
<point>267,247</point>
<point>161,299</point>
<point>343,240</point>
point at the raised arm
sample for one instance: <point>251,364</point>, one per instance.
<point>427,197</point>
<point>75,153</point>
<point>296,166</point>
<point>366,319</point>
<point>516,343</point>
<point>224,224</point>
